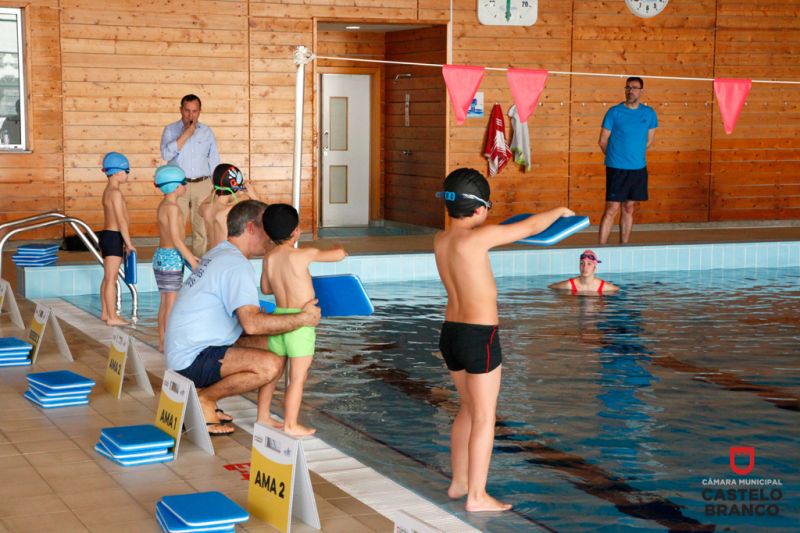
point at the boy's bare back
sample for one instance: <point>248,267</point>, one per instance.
<point>463,263</point>
<point>287,277</point>
<point>168,216</point>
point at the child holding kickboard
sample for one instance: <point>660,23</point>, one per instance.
<point>115,239</point>
<point>285,274</point>
<point>469,341</point>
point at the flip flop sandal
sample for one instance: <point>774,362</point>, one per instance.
<point>221,412</point>
<point>218,424</point>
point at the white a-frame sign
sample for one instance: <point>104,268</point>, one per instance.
<point>42,317</point>
<point>8,301</point>
<point>280,486</point>
<point>179,405</point>
<point>122,350</point>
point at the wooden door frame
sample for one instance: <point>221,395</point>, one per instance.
<point>376,80</point>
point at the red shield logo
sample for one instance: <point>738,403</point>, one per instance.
<point>739,451</point>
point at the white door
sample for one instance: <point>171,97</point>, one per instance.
<point>345,144</point>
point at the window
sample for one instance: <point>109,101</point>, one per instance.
<point>13,126</point>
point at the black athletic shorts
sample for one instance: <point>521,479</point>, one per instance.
<point>205,369</point>
<point>624,185</point>
<point>471,347</point>
<point>111,243</point>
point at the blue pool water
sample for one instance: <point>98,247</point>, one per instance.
<point>616,413</point>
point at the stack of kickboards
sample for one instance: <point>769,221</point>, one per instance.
<point>59,388</point>
<point>135,445</point>
<point>14,352</point>
<point>36,255</point>
<point>203,511</point>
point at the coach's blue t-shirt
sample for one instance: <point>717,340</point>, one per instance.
<point>205,310</point>
<point>628,142</point>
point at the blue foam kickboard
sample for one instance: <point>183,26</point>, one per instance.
<point>52,400</point>
<point>204,509</point>
<point>558,230</point>
<point>15,363</point>
<point>266,306</point>
<point>6,358</point>
<point>37,249</point>
<point>342,295</point>
<point>99,448</point>
<point>60,379</point>
<point>65,403</point>
<point>173,524</point>
<point>131,274</point>
<point>68,394</point>
<point>127,454</point>
<point>142,437</point>
<point>14,344</point>
<point>36,263</point>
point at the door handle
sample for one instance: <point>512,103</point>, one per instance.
<point>325,142</point>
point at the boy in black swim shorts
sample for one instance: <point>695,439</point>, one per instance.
<point>115,234</point>
<point>470,342</point>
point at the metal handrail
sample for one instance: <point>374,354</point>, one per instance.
<point>76,225</point>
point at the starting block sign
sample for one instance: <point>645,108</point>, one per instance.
<point>42,317</point>
<point>179,405</point>
<point>280,487</point>
<point>7,300</point>
<point>122,350</point>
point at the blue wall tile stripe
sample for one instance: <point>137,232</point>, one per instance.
<point>72,280</point>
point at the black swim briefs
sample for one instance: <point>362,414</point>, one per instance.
<point>626,185</point>
<point>471,347</point>
<point>111,243</point>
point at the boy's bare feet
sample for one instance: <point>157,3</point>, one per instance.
<point>486,504</point>
<point>298,431</point>
<point>271,422</point>
<point>116,321</point>
<point>457,490</point>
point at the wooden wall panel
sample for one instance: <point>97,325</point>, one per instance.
<point>415,155</point>
<point>109,77</point>
<point>32,183</point>
<point>125,68</point>
<point>756,170</point>
<point>545,45</point>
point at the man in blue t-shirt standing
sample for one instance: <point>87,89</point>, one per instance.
<point>628,131</point>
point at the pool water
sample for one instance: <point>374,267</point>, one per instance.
<point>615,414</point>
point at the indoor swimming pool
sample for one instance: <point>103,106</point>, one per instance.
<point>616,413</point>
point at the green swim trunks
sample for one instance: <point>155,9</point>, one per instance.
<point>298,343</point>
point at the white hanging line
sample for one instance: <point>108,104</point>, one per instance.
<point>565,73</point>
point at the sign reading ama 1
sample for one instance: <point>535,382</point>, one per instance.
<point>508,12</point>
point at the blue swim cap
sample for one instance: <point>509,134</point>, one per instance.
<point>114,162</point>
<point>169,177</point>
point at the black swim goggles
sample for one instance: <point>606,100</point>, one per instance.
<point>116,169</point>
<point>181,182</point>
<point>450,196</point>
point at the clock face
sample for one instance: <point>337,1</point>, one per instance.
<point>646,8</point>
<point>508,12</point>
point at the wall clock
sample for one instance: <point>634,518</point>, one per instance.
<point>646,8</point>
<point>508,12</point>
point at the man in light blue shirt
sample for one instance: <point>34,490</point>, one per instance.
<point>192,147</point>
<point>628,131</point>
<point>216,333</point>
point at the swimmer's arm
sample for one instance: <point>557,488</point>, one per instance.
<point>174,221</point>
<point>562,285</point>
<point>121,213</point>
<point>332,255</point>
<point>254,322</point>
<point>609,287</point>
<point>499,234</point>
<point>604,135</point>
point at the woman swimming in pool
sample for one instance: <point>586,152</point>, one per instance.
<point>586,283</point>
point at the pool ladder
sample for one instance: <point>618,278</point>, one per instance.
<point>88,238</point>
